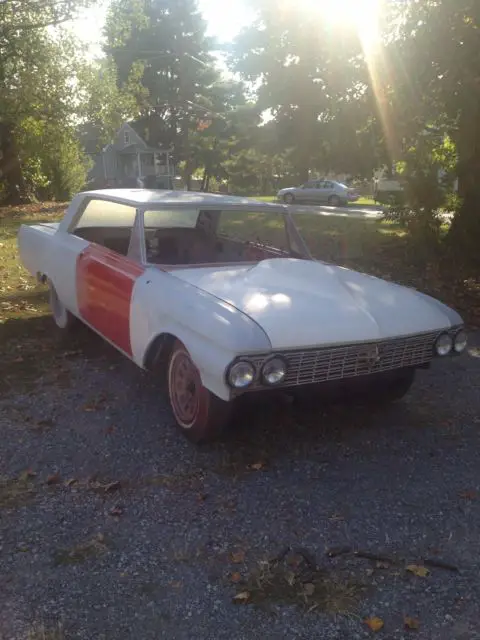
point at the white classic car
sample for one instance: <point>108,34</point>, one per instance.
<point>221,295</point>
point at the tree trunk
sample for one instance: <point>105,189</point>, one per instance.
<point>204,180</point>
<point>305,128</point>
<point>464,234</point>
<point>10,167</point>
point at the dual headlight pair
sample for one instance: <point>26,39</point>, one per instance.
<point>242,373</point>
<point>447,343</point>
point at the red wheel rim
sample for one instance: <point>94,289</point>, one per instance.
<point>185,385</point>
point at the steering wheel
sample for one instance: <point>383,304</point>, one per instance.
<point>253,253</point>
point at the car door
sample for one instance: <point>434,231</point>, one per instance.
<point>318,193</point>
<point>328,190</point>
<point>306,193</point>
<point>104,282</point>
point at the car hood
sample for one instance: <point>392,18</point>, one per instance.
<point>302,303</point>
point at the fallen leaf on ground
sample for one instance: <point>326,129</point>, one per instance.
<point>336,517</point>
<point>470,494</point>
<point>382,565</point>
<point>418,570</point>
<point>54,478</point>
<point>238,556</point>
<point>116,511</point>
<point>176,584</point>
<point>112,486</point>
<point>256,466</point>
<point>242,597</point>
<point>374,623</point>
<point>290,577</point>
<point>26,475</point>
<point>309,589</point>
<point>411,623</point>
<point>70,482</point>
<point>235,577</point>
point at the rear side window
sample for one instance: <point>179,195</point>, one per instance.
<point>104,213</point>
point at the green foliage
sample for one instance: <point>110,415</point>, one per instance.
<point>311,76</point>
<point>53,163</point>
<point>162,56</point>
<point>102,103</point>
<point>431,77</point>
<point>38,104</point>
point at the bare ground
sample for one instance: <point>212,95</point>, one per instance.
<point>112,526</point>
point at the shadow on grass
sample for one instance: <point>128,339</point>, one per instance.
<point>33,349</point>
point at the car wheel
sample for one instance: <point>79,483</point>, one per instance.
<point>61,315</point>
<point>199,414</point>
<point>289,198</point>
<point>334,201</point>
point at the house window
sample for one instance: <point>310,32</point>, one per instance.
<point>126,137</point>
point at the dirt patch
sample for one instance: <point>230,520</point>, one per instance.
<point>295,579</point>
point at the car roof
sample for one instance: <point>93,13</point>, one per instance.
<point>163,197</point>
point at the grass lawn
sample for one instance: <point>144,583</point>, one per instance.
<point>28,340</point>
<point>30,345</point>
<point>359,202</point>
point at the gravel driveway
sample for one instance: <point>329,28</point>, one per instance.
<point>114,527</point>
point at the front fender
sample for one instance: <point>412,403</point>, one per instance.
<point>213,331</point>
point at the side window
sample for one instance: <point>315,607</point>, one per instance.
<point>328,185</point>
<point>309,185</point>
<point>106,223</point>
<point>320,184</point>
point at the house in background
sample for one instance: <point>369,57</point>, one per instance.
<point>129,161</point>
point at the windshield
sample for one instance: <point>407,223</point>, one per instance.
<point>192,236</point>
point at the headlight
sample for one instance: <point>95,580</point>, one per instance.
<point>443,345</point>
<point>241,374</point>
<point>274,371</point>
<point>460,341</point>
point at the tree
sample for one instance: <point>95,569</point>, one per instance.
<point>305,74</point>
<point>103,105</point>
<point>38,95</point>
<point>34,75</point>
<point>432,77</point>
<point>164,44</point>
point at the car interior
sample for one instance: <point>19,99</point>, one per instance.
<point>184,245</point>
<point>180,246</point>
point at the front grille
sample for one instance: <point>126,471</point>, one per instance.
<point>348,361</point>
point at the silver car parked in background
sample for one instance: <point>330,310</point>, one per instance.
<point>329,192</point>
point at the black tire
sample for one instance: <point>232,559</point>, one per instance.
<point>200,415</point>
<point>289,198</point>
<point>334,201</point>
<point>62,317</point>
